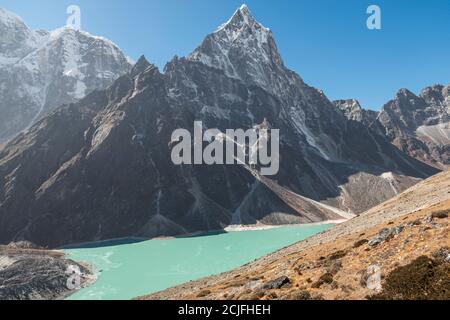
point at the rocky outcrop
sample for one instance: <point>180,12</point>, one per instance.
<point>27,273</point>
<point>354,112</point>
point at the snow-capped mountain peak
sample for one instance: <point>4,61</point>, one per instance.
<point>6,16</point>
<point>240,19</point>
<point>243,48</point>
<point>41,70</point>
<point>9,18</point>
<point>16,39</point>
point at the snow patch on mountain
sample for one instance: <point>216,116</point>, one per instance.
<point>41,70</point>
<point>438,134</point>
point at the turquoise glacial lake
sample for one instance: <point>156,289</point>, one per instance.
<point>126,270</point>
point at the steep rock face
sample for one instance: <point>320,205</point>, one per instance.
<point>245,50</point>
<point>353,111</point>
<point>40,70</point>
<point>420,125</point>
<point>101,168</point>
<point>417,125</point>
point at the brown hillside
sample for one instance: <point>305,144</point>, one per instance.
<point>406,239</point>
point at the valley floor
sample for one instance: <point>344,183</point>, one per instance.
<point>404,241</point>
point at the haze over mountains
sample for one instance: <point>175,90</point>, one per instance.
<point>41,70</point>
<point>100,168</point>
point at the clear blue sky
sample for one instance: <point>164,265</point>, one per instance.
<point>325,41</point>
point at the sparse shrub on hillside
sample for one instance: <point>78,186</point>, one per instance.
<point>360,243</point>
<point>298,295</point>
<point>273,295</point>
<point>337,255</point>
<point>334,267</point>
<point>422,279</point>
<point>302,296</point>
<point>326,278</point>
<point>443,214</point>
<point>203,293</point>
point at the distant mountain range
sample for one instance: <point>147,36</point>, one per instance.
<point>41,70</point>
<point>417,125</point>
<point>100,167</point>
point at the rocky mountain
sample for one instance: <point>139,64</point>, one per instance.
<point>41,70</point>
<point>101,168</point>
<point>417,125</point>
<point>399,250</point>
<point>353,111</point>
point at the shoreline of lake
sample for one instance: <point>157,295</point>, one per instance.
<point>131,269</point>
<point>231,228</point>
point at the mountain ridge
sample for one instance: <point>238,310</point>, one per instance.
<point>100,168</point>
<point>42,70</point>
<point>417,125</point>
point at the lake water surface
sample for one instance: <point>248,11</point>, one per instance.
<point>126,270</point>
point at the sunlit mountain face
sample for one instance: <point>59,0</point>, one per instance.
<point>104,167</point>
<point>41,70</point>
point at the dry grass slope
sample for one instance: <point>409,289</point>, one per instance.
<point>406,239</point>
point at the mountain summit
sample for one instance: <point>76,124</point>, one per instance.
<point>16,39</point>
<point>40,70</point>
<point>243,49</point>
